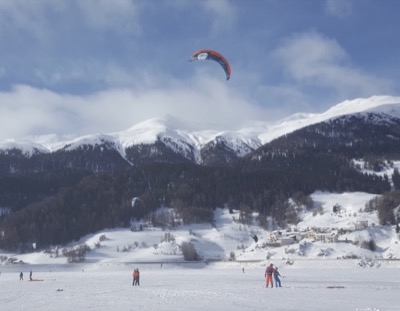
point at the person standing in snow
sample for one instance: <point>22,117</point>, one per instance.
<point>268,274</point>
<point>21,276</point>
<point>30,275</point>
<point>135,275</point>
<point>276,277</point>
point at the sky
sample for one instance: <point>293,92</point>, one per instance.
<point>99,66</point>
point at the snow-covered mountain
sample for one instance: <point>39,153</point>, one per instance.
<point>191,143</point>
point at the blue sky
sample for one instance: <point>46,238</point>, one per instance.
<point>88,66</point>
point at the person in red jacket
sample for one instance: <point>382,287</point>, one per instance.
<point>135,275</point>
<point>268,274</point>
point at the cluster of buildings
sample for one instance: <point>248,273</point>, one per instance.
<point>325,235</point>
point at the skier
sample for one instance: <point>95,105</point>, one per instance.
<point>268,274</point>
<point>276,277</point>
<point>21,276</point>
<point>30,275</point>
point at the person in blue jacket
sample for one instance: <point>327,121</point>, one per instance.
<point>276,277</point>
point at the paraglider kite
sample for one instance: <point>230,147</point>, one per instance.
<point>215,56</point>
<point>134,201</point>
<point>255,238</point>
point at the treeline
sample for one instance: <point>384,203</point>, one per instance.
<point>19,190</point>
<point>308,171</point>
<point>102,157</point>
<point>387,206</point>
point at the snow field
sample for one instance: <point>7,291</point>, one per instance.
<point>308,285</point>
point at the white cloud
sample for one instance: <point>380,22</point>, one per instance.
<point>314,60</point>
<point>304,54</point>
<point>27,111</point>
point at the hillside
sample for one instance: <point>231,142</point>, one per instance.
<point>228,239</point>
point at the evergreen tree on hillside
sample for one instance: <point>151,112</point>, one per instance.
<point>396,179</point>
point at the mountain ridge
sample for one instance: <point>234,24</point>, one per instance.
<point>190,141</point>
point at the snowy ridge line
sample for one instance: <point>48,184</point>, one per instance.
<point>182,138</point>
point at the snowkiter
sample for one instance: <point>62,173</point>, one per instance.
<point>268,274</point>
<point>276,277</point>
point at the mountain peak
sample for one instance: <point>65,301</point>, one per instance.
<point>374,103</point>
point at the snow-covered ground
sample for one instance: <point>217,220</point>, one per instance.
<point>308,285</point>
<point>317,277</point>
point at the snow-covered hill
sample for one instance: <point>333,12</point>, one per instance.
<point>321,233</point>
<point>188,140</point>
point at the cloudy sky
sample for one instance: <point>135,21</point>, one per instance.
<point>88,66</point>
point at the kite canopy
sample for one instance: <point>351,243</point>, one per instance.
<point>134,201</point>
<point>215,56</point>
